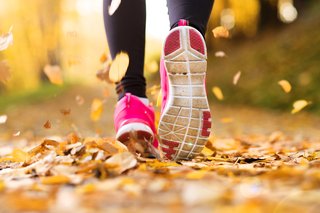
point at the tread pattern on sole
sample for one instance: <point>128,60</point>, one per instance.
<point>185,123</point>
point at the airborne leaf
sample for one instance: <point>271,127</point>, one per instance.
<point>299,105</point>
<point>220,32</point>
<point>4,72</point>
<point>119,67</point>
<point>54,74</point>
<point>236,77</point>
<point>114,6</point>
<point>6,40</point>
<point>286,86</point>
<point>218,93</point>
<point>96,109</point>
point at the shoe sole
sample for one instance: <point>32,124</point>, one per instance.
<point>137,137</point>
<point>185,123</point>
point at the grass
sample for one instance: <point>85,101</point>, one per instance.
<point>45,92</point>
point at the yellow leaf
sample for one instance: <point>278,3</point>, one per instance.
<point>88,188</point>
<point>114,6</point>
<point>159,99</point>
<point>236,78</point>
<point>207,152</point>
<point>218,93</point>
<point>226,120</point>
<point>285,85</point>
<point>220,32</point>
<point>2,186</point>
<point>119,67</point>
<point>299,105</point>
<point>19,155</point>
<point>58,179</point>
<point>54,74</point>
<point>4,72</point>
<point>96,109</point>
<point>196,175</point>
<point>152,66</point>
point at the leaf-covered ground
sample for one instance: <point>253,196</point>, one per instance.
<point>53,158</point>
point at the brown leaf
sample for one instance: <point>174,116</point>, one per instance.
<point>96,109</point>
<point>47,124</point>
<point>54,74</point>
<point>65,111</point>
<point>220,32</point>
<point>124,160</point>
<point>4,72</point>
<point>119,67</point>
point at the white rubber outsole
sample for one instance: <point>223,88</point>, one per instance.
<point>185,123</point>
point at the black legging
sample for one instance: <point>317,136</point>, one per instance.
<point>126,32</point>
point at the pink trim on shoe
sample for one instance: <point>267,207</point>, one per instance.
<point>131,110</point>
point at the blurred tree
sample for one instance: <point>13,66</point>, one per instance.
<point>36,29</point>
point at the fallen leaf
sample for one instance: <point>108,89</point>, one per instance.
<point>6,40</point>
<point>96,109</point>
<point>47,124</point>
<point>119,67</point>
<point>19,155</point>
<point>236,77</point>
<point>16,134</point>
<point>4,72</point>
<point>218,93</point>
<point>299,105</point>
<point>54,74</point>
<point>52,180</point>
<point>286,86</point>
<point>196,175</point>
<point>65,111</point>
<point>220,32</point>
<point>88,188</point>
<point>2,186</point>
<point>79,100</point>
<point>114,6</point>
<point>3,119</point>
<point>220,54</point>
<point>124,160</point>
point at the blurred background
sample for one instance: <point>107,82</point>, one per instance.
<point>270,40</point>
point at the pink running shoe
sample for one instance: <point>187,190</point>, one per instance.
<point>134,124</point>
<point>185,121</point>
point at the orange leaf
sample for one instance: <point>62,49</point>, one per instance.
<point>285,85</point>
<point>119,67</point>
<point>54,74</point>
<point>104,58</point>
<point>47,124</point>
<point>96,109</point>
<point>58,179</point>
<point>218,93</point>
<point>220,32</point>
